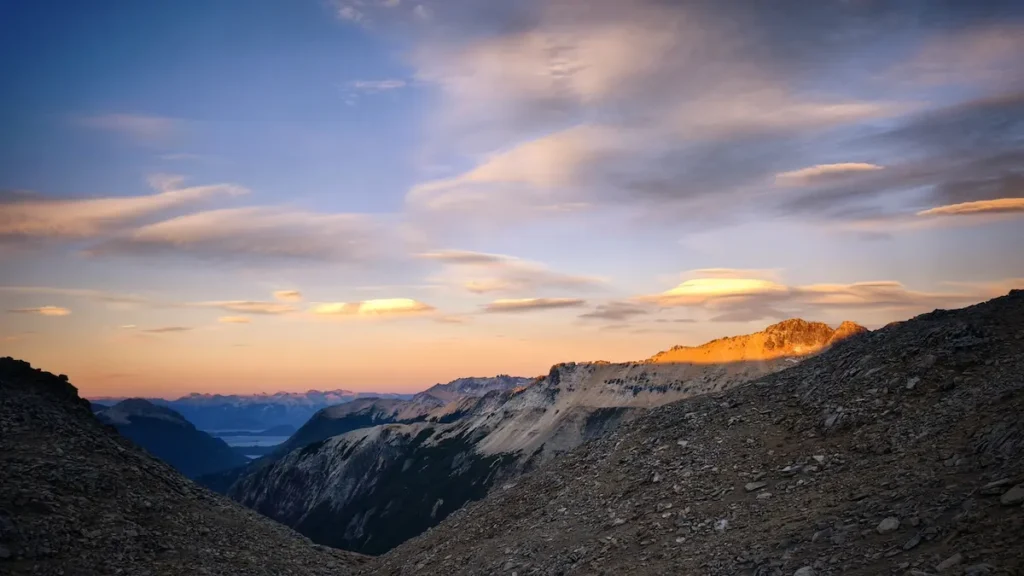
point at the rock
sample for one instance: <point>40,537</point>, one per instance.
<point>890,524</point>
<point>1013,496</point>
<point>995,487</point>
<point>752,486</point>
<point>979,570</point>
<point>950,562</point>
<point>913,542</point>
<point>721,525</point>
<point>820,459</point>
<point>4,552</point>
<point>805,571</point>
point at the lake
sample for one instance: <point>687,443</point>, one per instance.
<point>253,440</point>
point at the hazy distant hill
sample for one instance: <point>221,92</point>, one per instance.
<point>167,435</point>
<point>256,411</point>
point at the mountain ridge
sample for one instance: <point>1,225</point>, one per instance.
<point>348,490</point>
<point>900,451</point>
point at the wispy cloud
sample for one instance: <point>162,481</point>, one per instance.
<point>143,128</point>
<point>824,171</point>
<point>377,307</point>
<point>464,257</point>
<point>248,306</point>
<point>484,273</point>
<point>616,311</point>
<point>999,206</point>
<point>95,217</point>
<point>689,108</point>
<point>531,304</point>
<point>234,320</point>
<point>180,156</point>
<point>42,311</point>
<point>167,329</point>
<point>95,295</point>
<point>749,299</point>
<point>288,295</point>
<point>374,86</point>
<point>361,11</point>
<point>963,153</point>
<point>252,233</point>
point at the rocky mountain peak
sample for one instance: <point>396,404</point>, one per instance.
<point>789,338</point>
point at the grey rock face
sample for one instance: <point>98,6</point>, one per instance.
<point>1013,496</point>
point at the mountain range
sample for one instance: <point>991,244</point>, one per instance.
<point>898,451</point>
<point>255,411</point>
<point>367,475</point>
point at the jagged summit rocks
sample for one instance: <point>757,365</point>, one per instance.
<point>791,338</point>
<point>78,499</point>
<point>862,473</point>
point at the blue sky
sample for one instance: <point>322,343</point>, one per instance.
<point>382,194</point>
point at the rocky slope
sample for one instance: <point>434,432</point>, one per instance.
<point>372,488</point>
<point>899,451</point>
<point>77,498</point>
<point>435,403</point>
<point>167,435</point>
<point>439,403</point>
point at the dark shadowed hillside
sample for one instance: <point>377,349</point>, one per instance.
<point>167,435</point>
<point>76,498</point>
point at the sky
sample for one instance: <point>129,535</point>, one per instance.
<point>241,196</point>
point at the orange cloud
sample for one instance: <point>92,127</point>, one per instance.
<point>821,171</point>
<point>249,306</point>
<point>288,295</point>
<point>1001,205</point>
<point>701,290</point>
<point>377,307</point>
<point>233,320</point>
<point>530,304</point>
<point>43,311</point>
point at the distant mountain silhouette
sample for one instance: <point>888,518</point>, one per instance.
<point>254,412</point>
<point>170,437</point>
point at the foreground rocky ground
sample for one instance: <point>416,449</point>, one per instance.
<point>900,451</point>
<point>78,499</point>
